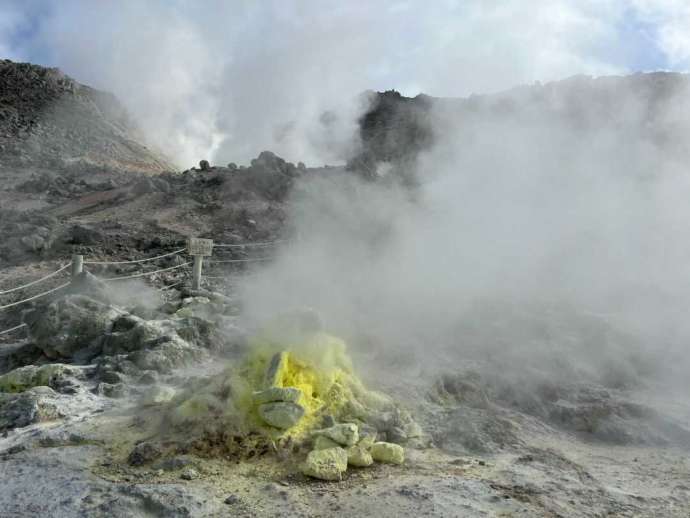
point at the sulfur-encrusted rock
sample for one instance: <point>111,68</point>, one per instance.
<point>273,394</point>
<point>388,453</point>
<point>29,376</point>
<point>359,456</point>
<point>323,443</point>
<point>328,464</point>
<point>281,414</point>
<point>345,434</point>
<point>275,368</point>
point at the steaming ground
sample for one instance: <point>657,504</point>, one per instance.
<point>524,303</point>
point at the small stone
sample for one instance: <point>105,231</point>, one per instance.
<point>273,394</point>
<point>359,456</point>
<point>231,500</point>
<point>345,434</point>
<point>189,474</point>
<point>388,453</point>
<point>281,415</point>
<point>158,395</point>
<point>142,453</point>
<point>328,464</point>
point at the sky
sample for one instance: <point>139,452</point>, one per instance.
<point>225,80</point>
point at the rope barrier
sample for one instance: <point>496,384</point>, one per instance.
<point>12,329</point>
<point>138,260</point>
<point>164,288</point>
<point>35,296</point>
<point>248,244</point>
<point>62,268</point>
<point>144,274</point>
<point>241,260</point>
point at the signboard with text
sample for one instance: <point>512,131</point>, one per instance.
<point>198,246</point>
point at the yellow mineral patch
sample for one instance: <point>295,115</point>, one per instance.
<point>316,363</point>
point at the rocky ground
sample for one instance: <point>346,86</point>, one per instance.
<point>142,401</point>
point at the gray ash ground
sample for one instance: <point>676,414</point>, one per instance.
<point>557,434</point>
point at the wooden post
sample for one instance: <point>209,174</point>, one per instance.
<point>77,265</point>
<point>198,248</point>
<point>196,272</point>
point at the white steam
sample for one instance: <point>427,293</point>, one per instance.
<point>225,80</point>
<point>538,208</point>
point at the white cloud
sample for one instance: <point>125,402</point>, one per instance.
<point>224,81</point>
<point>671,18</point>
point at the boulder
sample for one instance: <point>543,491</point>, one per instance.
<point>281,414</point>
<point>30,376</point>
<point>34,405</point>
<point>345,434</point>
<point>204,165</point>
<point>388,453</point>
<point>70,324</point>
<point>359,456</point>
<point>131,333</point>
<point>323,443</point>
<point>328,464</point>
<point>273,394</point>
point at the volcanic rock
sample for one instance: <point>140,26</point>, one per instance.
<point>345,434</point>
<point>359,456</point>
<point>281,414</point>
<point>69,324</point>
<point>328,464</point>
<point>388,453</point>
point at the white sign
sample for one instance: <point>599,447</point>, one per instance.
<point>198,246</point>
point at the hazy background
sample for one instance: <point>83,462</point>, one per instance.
<point>225,80</point>
<point>530,213</point>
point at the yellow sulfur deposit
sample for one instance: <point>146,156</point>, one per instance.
<point>317,366</point>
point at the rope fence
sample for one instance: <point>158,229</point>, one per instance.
<point>248,245</point>
<point>197,248</point>
<point>50,275</point>
<point>145,274</point>
<point>12,329</point>
<point>148,259</point>
<point>241,260</point>
<point>6,306</point>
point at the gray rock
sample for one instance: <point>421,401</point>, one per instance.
<point>32,406</point>
<point>69,324</point>
<point>112,390</point>
<point>281,415</point>
<point>189,474</point>
<point>143,453</point>
<point>273,394</point>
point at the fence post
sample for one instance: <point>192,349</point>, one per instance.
<point>198,248</point>
<point>196,272</point>
<point>77,265</point>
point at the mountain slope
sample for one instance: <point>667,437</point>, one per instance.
<point>49,120</point>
